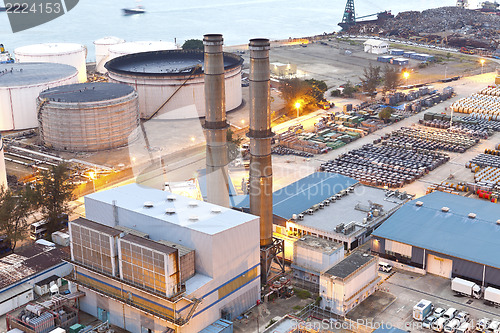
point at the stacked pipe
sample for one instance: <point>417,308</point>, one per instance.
<point>483,160</point>
<point>215,122</point>
<point>488,175</point>
<point>260,134</point>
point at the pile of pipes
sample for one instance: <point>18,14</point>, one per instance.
<point>280,150</point>
<point>488,106</point>
<point>482,161</point>
<point>468,129</point>
<point>448,187</point>
<point>489,176</point>
<point>385,166</point>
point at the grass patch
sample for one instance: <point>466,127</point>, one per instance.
<point>298,307</point>
<point>301,293</point>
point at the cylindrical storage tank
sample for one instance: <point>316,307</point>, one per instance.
<point>3,170</point>
<point>59,53</point>
<point>20,85</point>
<point>122,49</point>
<point>88,116</point>
<point>171,83</point>
<point>102,51</point>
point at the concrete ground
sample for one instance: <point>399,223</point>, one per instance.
<point>403,290</point>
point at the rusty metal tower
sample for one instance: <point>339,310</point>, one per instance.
<point>349,18</point>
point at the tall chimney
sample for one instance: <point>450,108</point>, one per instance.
<point>215,122</point>
<point>261,181</point>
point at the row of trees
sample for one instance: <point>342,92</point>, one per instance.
<point>49,196</point>
<point>373,77</point>
<point>306,92</point>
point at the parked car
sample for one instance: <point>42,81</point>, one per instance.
<point>493,327</point>
<point>427,323</point>
<point>452,325</point>
<point>482,324</point>
<point>438,313</point>
<point>450,313</point>
<point>438,325</point>
<point>463,317</point>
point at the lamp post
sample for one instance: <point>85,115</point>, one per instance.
<point>482,65</point>
<point>297,106</point>
<point>406,75</point>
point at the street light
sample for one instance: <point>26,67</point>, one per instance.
<point>482,64</point>
<point>406,75</point>
<point>297,106</point>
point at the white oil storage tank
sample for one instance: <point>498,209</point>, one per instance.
<point>88,116</point>
<point>20,85</point>
<point>122,49</point>
<point>59,53</point>
<point>170,83</point>
<point>3,170</point>
<point>102,46</point>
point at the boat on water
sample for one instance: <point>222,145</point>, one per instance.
<point>133,11</point>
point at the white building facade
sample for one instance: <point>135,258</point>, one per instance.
<point>376,46</point>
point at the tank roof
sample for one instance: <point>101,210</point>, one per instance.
<point>109,40</point>
<point>166,63</point>
<point>49,49</point>
<point>141,46</point>
<point>23,74</point>
<point>87,92</point>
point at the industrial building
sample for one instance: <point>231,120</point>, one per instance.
<point>283,70</point>
<point>170,83</point>
<point>313,255</point>
<point>446,235</point>
<point>348,283</point>
<point>20,86</point>
<point>21,271</point>
<point>71,54</point>
<point>150,260</point>
<point>330,206</point>
<point>376,46</point>
<point>88,116</point>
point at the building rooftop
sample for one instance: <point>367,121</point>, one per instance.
<point>172,208</point>
<point>352,207</point>
<point>150,244</point>
<point>452,233</point>
<point>349,265</point>
<point>87,92</point>
<point>318,244</point>
<point>23,74</point>
<point>96,226</point>
<point>29,261</point>
<point>375,42</point>
<point>388,330</point>
<point>305,193</point>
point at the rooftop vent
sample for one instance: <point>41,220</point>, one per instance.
<point>445,209</point>
<point>171,197</point>
<point>294,216</point>
<point>193,203</point>
<point>419,203</point>
<point>216,210</point>
<point>148,204</point>
<point>472,215</point>
<point>170,211</point>
<point>193,218</point>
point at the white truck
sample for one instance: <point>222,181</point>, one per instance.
<point>422,309</point>
<point>492,295</point>
<point>466,288</point>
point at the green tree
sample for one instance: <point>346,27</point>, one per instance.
<point>385,113</point>
<point>349,89</point>
<point>193,44</point>
<point>53,193</point>
<point>318,89</point>
<point>15,208</point>
<point>371,80</point>
<point>392,79</point>
<point>233,144</point>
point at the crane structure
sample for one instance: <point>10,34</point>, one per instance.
<point>349,19</point>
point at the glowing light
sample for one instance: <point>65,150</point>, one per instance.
<point>92,175</point>
<point>406,75</point>
<point>192,138</point>
<point>297,105</point>
<point>243,121</point>
<point>482,62</point>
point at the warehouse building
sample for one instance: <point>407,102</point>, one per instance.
<point>152,261</point>
<point>21,271</point>
<point>376,46</point>
<point>446,235</point>
<point>329,206</point>
<point>348,283</point>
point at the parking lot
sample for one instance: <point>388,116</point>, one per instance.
<point>406,289</point>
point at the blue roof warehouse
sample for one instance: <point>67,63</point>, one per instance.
<point>445,234</point>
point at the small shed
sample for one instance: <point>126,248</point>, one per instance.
<point>376,46</point>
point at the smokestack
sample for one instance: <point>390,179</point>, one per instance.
<point>215,122</point>
<point>261,181</point>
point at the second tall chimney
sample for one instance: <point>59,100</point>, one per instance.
<point>260,134</point>
<point>215,122</point>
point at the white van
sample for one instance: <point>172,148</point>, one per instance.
<point>452,325</point>
<point>438,325</point>
<point>464,328</point>
<point>450,313</point>
<point>384,267</point>
<point>493,326</point>
<point>482,324</point>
